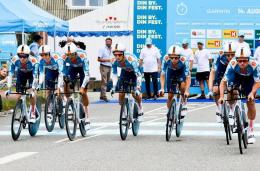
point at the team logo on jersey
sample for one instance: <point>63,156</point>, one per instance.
<point>64,57</point>
<point>182,59</point>
<point>233,63</point>
<point>55,56</point>
<point>253,64</point>
<point>130,58</point>
<point>82,55</point>
<point>33,60</point>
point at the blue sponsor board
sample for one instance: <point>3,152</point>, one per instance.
<point>150,21</point>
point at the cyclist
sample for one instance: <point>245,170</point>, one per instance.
<point>50,67</point>
<point>26,68</point>
<point>176,68</point>
<point>217,73</point>
<point>76,64</point>
<point>129,71</point>
<point>243,71</point>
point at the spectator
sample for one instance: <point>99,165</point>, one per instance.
<point>3,75</point>
<point>104,57</point>
<point>35,45</point>
<point>187,52</point>
<point>257,54</point>
<point>150,60</point>
<point>3,81</point>
<point>203,60</point>
<point>241,42</point>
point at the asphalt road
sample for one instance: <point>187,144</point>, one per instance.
<point>202,145</point>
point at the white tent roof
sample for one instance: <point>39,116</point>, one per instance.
<point>117,16</point>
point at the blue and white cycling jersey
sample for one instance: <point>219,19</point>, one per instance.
<point>220,66</point>
<point>182,66</point>
<point>15,66</point>
<point>52,69</point>
<point>253,70</point>
<point>74,66</point>
<point>129,65</point>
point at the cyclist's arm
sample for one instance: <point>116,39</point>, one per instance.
<point>10,75</point>
<point>137,73</point>
<point>164,69</point>
<point>41,71</point>
<point>188,76</point>
<point>86,72</point>
<point>114,74</point>
<point>211,79</point>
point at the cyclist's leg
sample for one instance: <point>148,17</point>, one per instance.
<point>247,86</point>
<point>216,97</point>
<point>182,88</point>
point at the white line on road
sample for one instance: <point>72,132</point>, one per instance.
<point>16,156</point>
<point>187,112</point>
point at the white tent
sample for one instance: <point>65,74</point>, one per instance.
<point>114,20</point>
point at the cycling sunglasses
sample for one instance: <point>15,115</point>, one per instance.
<point>44,54</point>
<point>242,60</point>
<point>23,55</point>
<point>175,58</point>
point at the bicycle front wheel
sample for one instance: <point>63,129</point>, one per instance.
<point>34,127</point>
<point>226,123</point>
<point>16,125</point>
<point>170,120</point>
<point>70,120</point>
<point>82,129</point>
<point>50,113</point>
<point>136,123</point>
<point>239,128</point>
<point>123,120</point>
<point>179,124</point>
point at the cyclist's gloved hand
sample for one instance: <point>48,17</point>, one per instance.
<point>186,94</point>
<point>161,92</point>
<point>38,87</point>
<point>7,92</point>
<point>137,92</point>
<point>210,93</point>
<point>112,91</point>
<point>251,97</point>
<point>221,100</point>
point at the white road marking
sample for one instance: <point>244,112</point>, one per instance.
<point>16,156</point>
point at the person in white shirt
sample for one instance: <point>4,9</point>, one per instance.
<point>257,54</point>
<point>203,60</point>
<point>104,57</point>
<point>187,52</point>
<point>241,42</point>
<point>150,60</point>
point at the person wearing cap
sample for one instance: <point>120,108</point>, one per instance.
<point>76,65</point>
<point>26,68</point>
<point>35,45</point>
<point>104,57</point>
<point>241,41</point>
<point>187,52</point>
<point>175,70</point>
<point>203,60</point>
<point>217,72</point>
<point>130,73</point>
<point>150,60</point>
<point>243,71</point>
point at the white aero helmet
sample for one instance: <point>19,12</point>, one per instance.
<point>119,47</point>
<point>242,52</point>
<point>23,49</point>
<point>44,49</point>
<point>230,47</point>
<point>174,50</point>
<point>70,48</point>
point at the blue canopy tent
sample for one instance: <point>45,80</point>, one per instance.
<point>23,16</point>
